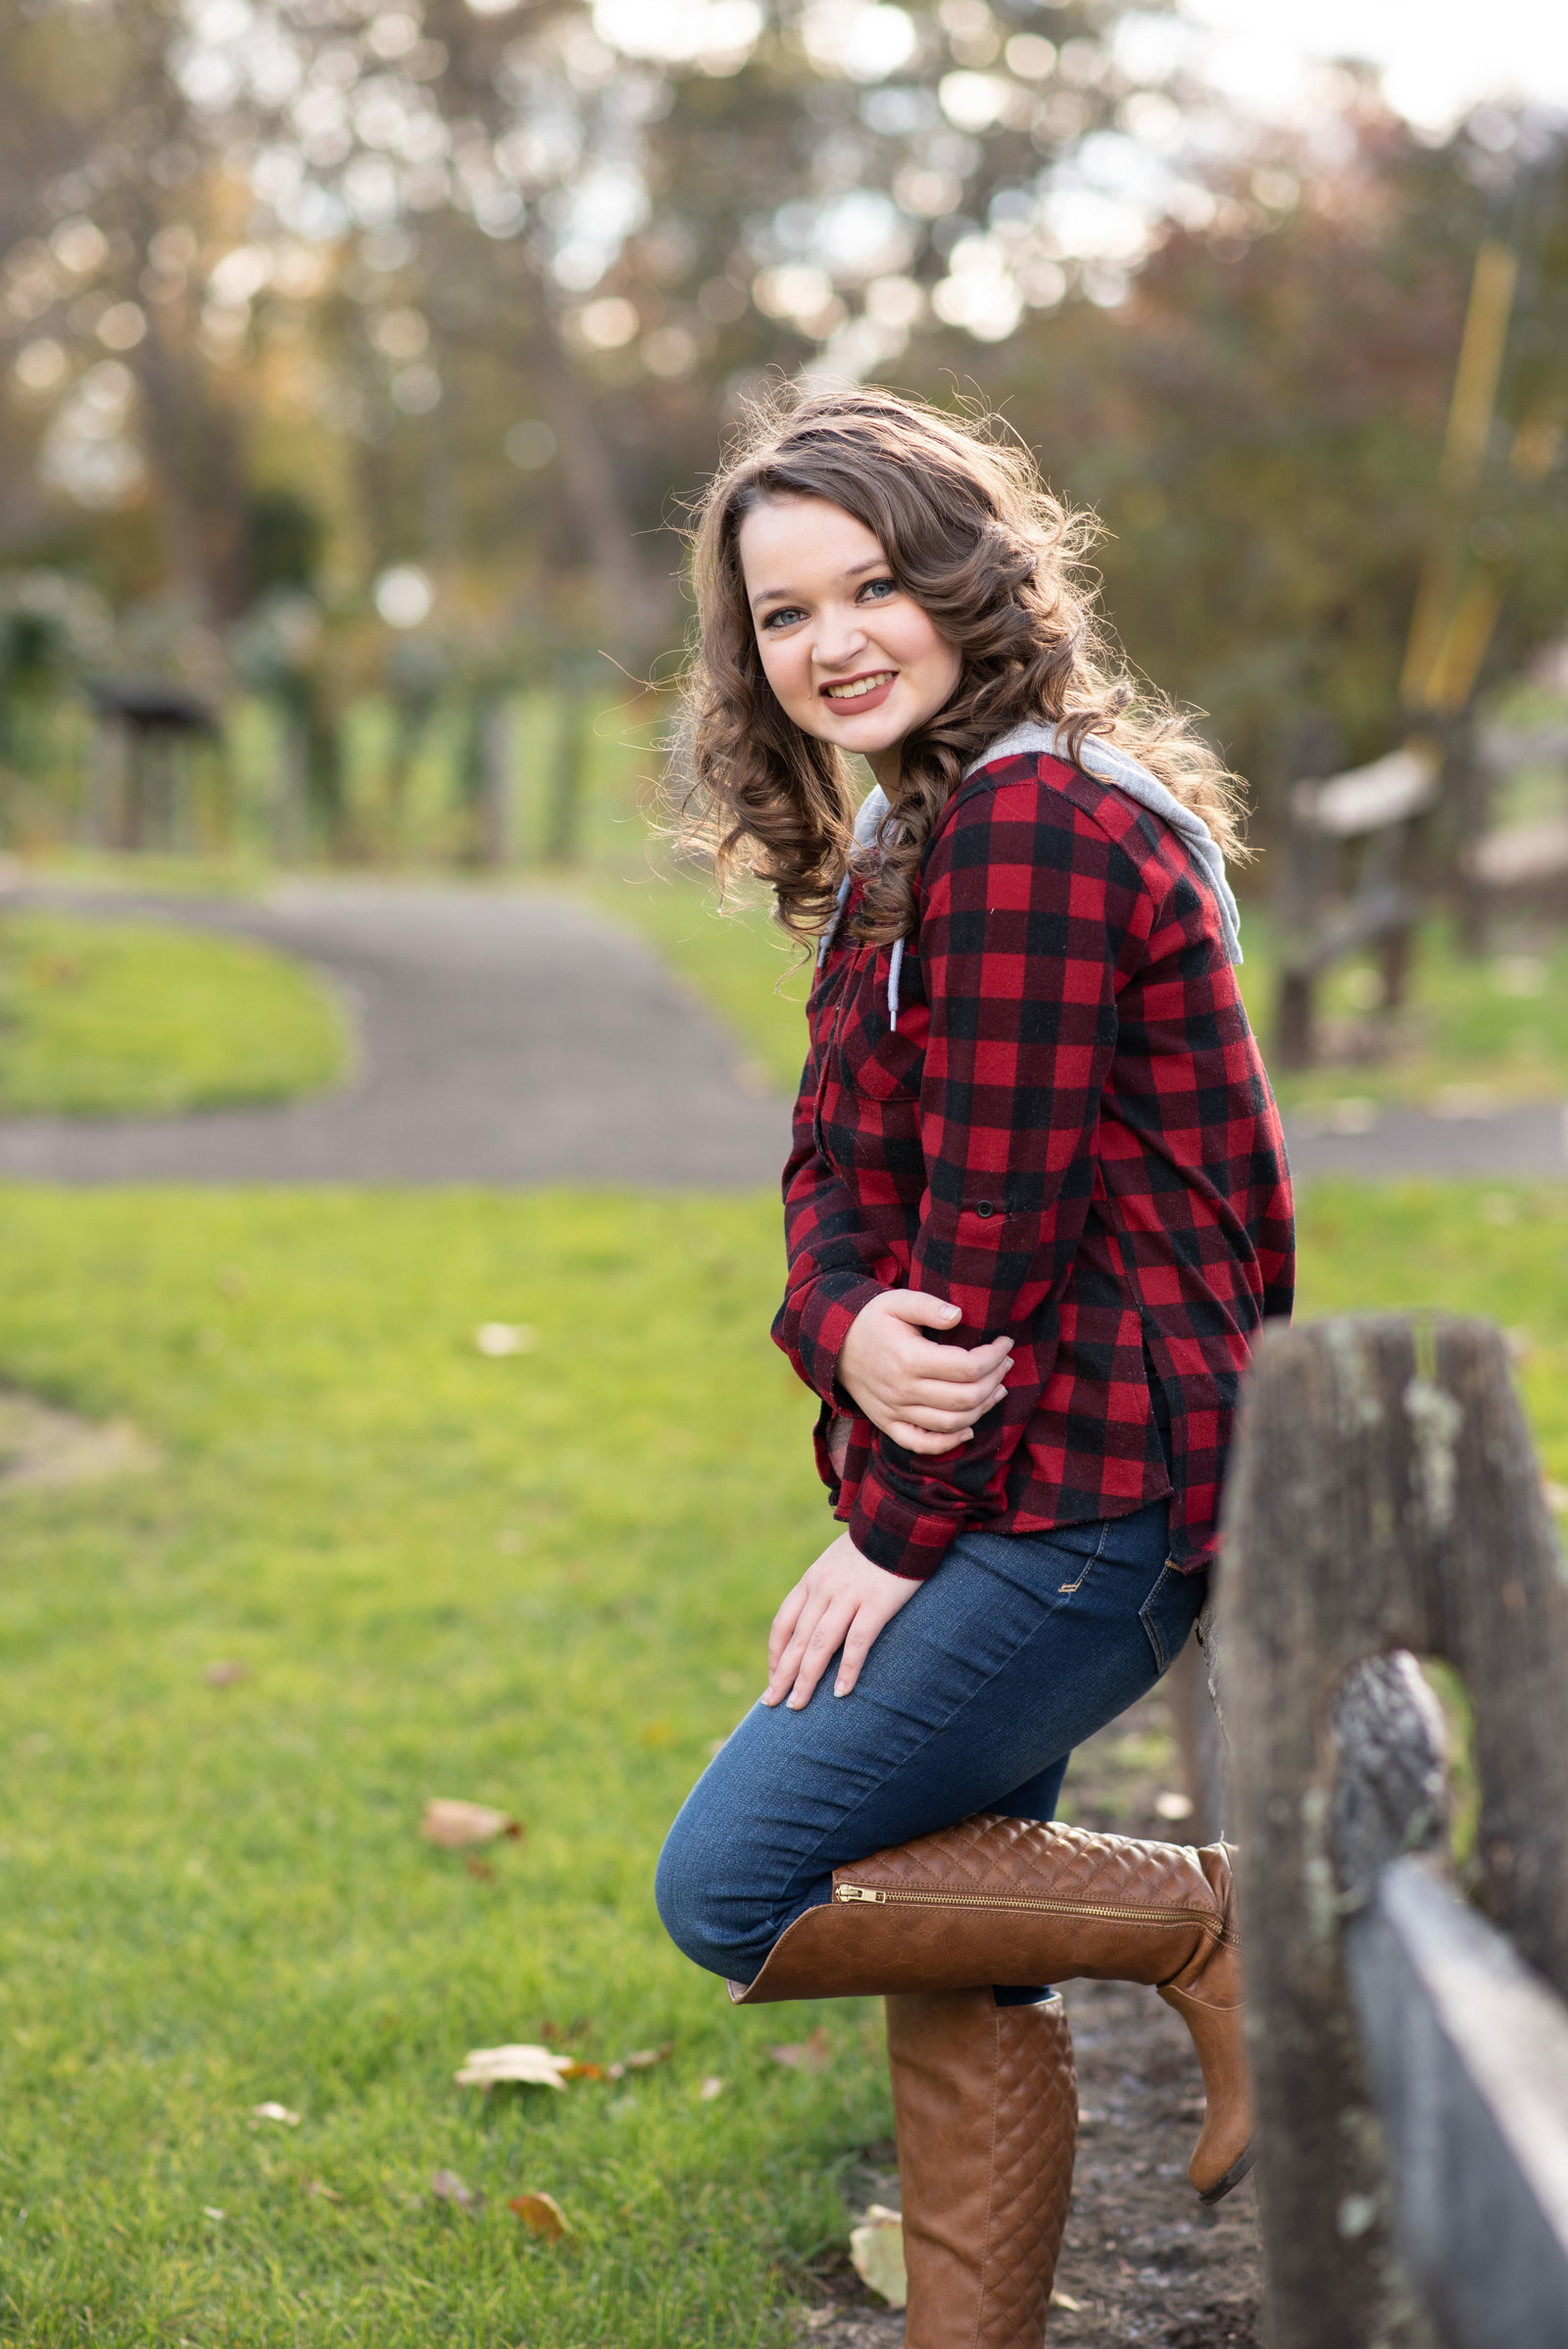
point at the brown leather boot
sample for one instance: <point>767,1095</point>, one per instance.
<point>1009,1900</point>
<point>986,2100</point>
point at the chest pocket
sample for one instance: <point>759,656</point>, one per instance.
<point>877,1060</point>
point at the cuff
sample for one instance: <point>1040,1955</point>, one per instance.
<point>903,1541</point>
<point>824,1324</point>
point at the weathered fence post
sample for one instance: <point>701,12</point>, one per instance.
<point>1384,1497</point>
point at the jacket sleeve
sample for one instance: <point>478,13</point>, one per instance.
<point>835,1266</point>
<point>1028,908</point>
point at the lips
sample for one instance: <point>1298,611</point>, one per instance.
<point>859,693</point>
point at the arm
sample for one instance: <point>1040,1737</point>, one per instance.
<point>850,1332</point>
<point>1027,909</point>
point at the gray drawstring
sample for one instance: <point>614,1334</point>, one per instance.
<point>895,966</point>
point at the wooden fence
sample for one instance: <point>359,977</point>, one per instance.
<point>1410,2047</point>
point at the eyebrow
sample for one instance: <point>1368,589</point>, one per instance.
<point>787,595</point>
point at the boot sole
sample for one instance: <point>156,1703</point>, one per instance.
<point>1233,2176</point>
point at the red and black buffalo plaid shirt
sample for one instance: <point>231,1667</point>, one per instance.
<point>1069,1134</point>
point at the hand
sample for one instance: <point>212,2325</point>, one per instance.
<point>842,1601</point>
<point>924,1396</point>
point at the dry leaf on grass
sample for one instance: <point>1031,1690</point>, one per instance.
<point>453,1825</point>
<point>711,2088</point>
<point>224,1674</point>
<point>876,2251</point>
<point>447,2186</point>
<point>323,2191</point>
<point>273,2111</point>
<point>812,2054</point>
<point>530,2067</point>
<point>500,1338</point>
<point>643,2059</point>
<point>541,2213</point>
<point>1066,2300</point>
<point>480,1869</point>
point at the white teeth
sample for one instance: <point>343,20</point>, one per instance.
<point>861,685</point>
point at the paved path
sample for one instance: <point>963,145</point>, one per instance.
<point>1517,1145</point>
<point>504,1037</point>
<point>514,1036</point>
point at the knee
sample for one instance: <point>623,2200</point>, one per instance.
<point>713,1901</point>
<point>683,1891</point>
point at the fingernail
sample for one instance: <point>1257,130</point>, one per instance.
<point>840,1690</point>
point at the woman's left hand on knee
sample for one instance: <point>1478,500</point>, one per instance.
<point>843,1601</point>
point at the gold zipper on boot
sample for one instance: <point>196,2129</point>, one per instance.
<point>1020,1900</point>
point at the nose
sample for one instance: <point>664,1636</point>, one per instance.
<point>841,637</point>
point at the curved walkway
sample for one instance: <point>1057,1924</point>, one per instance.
<point>504,1037</point>
<point>515,1036</point>
<point>1527,1142</point>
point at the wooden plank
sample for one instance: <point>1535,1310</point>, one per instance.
<point>1383,1494</point>
<point>1468,2053</point>
<point>1367,798</point>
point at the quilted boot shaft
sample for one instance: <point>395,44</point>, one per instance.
<point>1010,1901</point>
<point>1014,1902</point>
<point>986,2103</point>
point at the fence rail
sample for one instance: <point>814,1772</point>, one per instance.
<point>1411,2057</point>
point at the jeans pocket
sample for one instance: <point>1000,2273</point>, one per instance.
<point>1169,1612</point>
<point>1074,1560</point>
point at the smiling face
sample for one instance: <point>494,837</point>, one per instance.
<point>850,657</point>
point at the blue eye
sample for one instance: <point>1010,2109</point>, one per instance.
<point>880,588</point>
<point>787,613</point>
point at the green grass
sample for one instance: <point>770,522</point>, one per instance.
<point>541,1582</point>
<point>106,1019</point>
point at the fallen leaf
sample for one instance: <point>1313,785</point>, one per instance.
<point>323,2191</point>
<point>1066,2300</point>
<point>224,1675</point>
<point>208,2212</point>
<point>643,2059</point>
<point>711,2088</point>
<point>573,2067</point>
<point>479,1868</point>
<point>499,1338</point>
<point>271,2111</point>
<point>447,2186</point>
<point>812,2054</point>
<point>541,2213</point>
<point>532,2067</point>
<point>453,1825</point>
<point>876,2251</point>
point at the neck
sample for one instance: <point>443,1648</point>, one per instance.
<point>887,765</point>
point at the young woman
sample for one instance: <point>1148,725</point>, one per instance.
<point>1033,1121</point>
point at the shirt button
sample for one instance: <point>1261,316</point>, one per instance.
<point>983,1207</point>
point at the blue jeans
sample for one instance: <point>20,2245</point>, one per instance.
<point>1018,1647</point>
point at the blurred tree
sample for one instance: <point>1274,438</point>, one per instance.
<point>479,284</point>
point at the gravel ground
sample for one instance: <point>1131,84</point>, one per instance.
<point>1141,2260</point>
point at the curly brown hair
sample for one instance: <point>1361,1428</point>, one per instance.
<point>974,537</point>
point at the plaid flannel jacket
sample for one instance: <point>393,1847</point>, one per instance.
<point>1068,1133</point>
